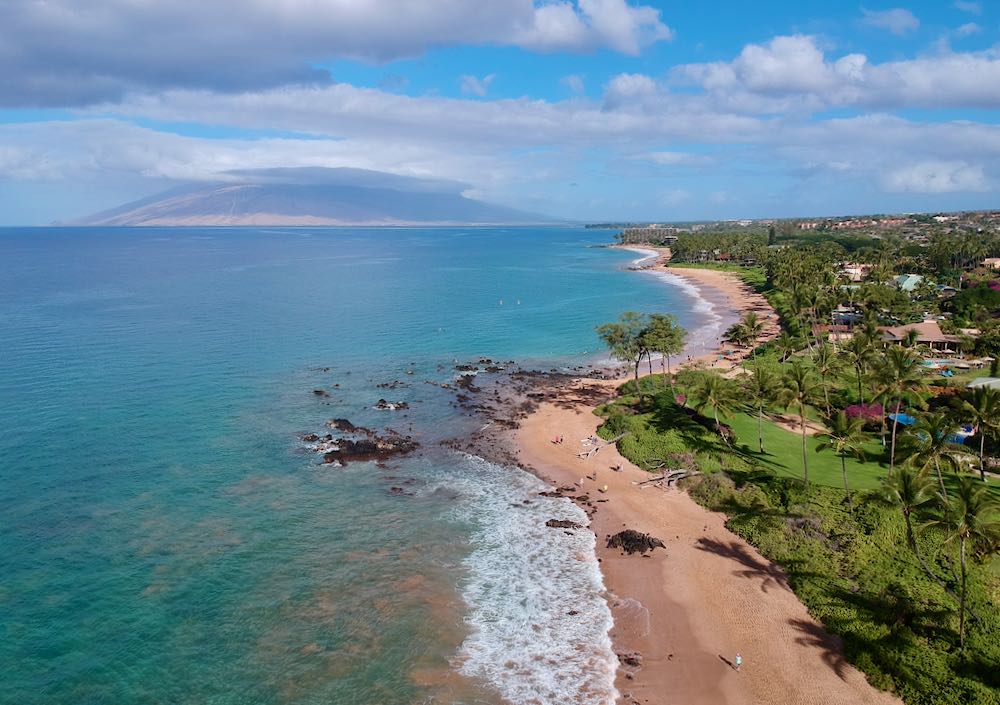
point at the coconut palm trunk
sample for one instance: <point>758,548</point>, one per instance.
<point>847,489</point>
<point>961,605</point>
<point>982,455</point>
<point>760,426</point>
<point>895,424</point>
<point>937,469</point>
<point>805,456</point>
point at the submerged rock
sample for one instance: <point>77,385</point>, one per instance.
<point>562,524</point>
<point>383,405</point>
<point>632,541</point>
<point>345,426</point>
<point>467,382</point>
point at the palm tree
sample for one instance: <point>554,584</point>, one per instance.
<point>910,490</point>
<point>968,516</point>
<point>787,344</point>
<point>798,388</point>
<point>827,363</point>
<point>900,377</point>
<point>760,388</point>
<point>844,436</point>
<point>859,352</point>
<point>753,328</point>
<point>928,444</point>
<point>983,410</point>
<point>717,392</point>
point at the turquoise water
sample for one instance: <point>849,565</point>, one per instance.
<point>166,538</point>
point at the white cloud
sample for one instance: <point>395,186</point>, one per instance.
<point>968,29</point>
<point>937,177</point>
<point>973,8</point>
<point>677,159</point>
<point>472,85</point>
<point>106,48</point>
<point>574,82</point>
<point>792,73</point>
<point>898,20</point>
<point>629,88</point>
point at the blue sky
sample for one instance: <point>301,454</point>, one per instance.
<point>583,109</point>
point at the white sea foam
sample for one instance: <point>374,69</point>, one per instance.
<point>708,334</point>
<point>523,580</point>
<point>646,256</point>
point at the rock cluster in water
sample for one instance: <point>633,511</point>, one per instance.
<point>367,445</point>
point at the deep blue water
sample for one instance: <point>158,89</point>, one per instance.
<point>165,536</point>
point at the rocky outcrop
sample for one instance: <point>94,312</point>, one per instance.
<point>632,541</point>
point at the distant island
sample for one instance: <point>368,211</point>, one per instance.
<point>313,196</point>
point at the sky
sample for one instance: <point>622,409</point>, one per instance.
<point>579,109</point>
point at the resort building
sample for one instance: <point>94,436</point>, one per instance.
<point>927,333</point>
<point>855,271</point>
<point>990,382</point>
<point>907,282</point>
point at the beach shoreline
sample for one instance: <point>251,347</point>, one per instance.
<point>683,612</point>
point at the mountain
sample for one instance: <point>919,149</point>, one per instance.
<point>313,196</point>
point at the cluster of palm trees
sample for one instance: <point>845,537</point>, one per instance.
<point>921,444</point>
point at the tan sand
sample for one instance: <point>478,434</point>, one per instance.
<point>690,608</point>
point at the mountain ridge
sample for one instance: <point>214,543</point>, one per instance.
<point>313,197</point>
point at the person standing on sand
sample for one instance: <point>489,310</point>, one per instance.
<point>738,662</point>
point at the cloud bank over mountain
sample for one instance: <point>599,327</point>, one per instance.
<point>597,109</point>
<point>312,196</point>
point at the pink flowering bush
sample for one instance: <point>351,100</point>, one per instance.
<point>869,413</point>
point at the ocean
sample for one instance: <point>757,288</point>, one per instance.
<point>167,537</point>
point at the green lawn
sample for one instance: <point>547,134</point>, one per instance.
<point>784,455</point>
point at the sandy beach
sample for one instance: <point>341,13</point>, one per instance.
<point>687,610</point>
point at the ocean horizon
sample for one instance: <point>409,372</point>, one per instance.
<point>169,536</point>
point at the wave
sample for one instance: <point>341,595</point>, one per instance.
<point>706,336</point>
<point>538,618</point>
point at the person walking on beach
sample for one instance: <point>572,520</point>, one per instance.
<point>737,662</point>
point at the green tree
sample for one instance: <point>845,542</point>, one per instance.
<point>760,386</point>
<point>798,388</point>
<point>910,490</point>
<point>715,391</point>
<point>753,328</point>
<point>927,444</point>
<point>624,340</point>
<point>827,365</point>
<point>787,345</point>
<point>663,335</point>
<point>844,436</point>
<point>967,517</point>
<point>859,353</point>
<point>982,408</point>
<point>899,374</point>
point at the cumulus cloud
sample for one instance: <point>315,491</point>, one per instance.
<point>968,29</point>
<point>937,177</point>
<point>795,66</point>
<point>473,85</point>
<point>898,20</point>
<point>65,53</point>
<point>973,8</point>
